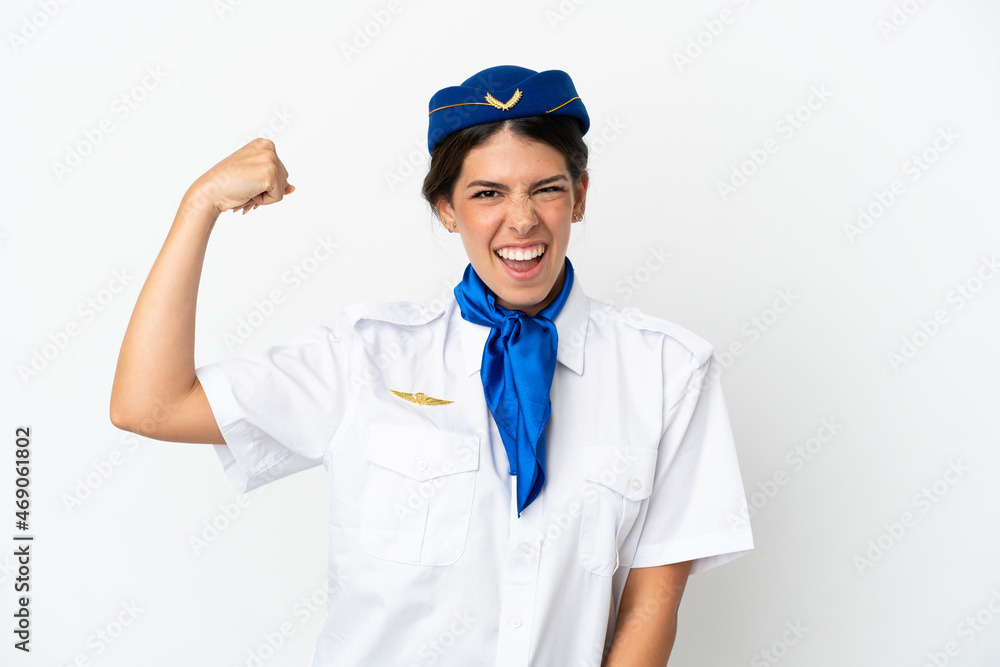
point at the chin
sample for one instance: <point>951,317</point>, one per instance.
<point>523,295</point>
<point>525,298</point>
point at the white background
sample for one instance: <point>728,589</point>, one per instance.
<point>351,127</point>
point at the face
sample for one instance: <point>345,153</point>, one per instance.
<point>514,198</point>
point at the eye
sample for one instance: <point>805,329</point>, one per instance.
<point>485,194</point>
<point>552,188</point>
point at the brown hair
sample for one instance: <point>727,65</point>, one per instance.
<point>564,133</point>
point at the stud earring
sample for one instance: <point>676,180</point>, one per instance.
<point>454,225</point>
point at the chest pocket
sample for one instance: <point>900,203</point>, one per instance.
<point>418,494</point>
<point>616,481</point>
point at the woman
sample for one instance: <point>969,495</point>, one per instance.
<point>526,477</point>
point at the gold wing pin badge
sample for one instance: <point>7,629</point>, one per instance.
<point>420,398</point>
<point>503,106</point>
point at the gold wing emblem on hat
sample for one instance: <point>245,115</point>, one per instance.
<point>504,106</point>
<point>420,398</point>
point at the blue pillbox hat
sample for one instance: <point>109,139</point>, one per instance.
<point>502,93</point>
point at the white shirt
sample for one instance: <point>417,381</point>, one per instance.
<point>429,562</point>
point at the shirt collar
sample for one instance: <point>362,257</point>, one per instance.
<point>571,324</point>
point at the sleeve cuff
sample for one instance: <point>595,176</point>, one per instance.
<point>707,551</point>
<point>244,465</point>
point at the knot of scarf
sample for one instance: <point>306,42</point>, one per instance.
<point>519,362</point>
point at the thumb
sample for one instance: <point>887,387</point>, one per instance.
<point>289,189</point>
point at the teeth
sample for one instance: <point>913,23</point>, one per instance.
<point>521,254</point>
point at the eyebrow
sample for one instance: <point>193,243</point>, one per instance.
<point>500,186</point>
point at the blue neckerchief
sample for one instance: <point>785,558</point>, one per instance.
<point>519,362</point>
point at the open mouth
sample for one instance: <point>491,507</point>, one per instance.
<point>523,259</point>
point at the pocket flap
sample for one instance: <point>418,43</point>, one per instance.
<point>422,454</point>
<point>627,471</point>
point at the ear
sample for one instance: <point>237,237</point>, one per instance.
<point>580,193</point>
<point>445,213</point>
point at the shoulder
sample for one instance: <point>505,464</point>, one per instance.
<point>366,320</point>
<point>680,345</point>
<point>390,313</point>
<point>662,360</point>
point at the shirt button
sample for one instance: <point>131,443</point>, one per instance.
<point>636,485</point>
<point>526,547</point>
<point>516,622</point>
<point>421,465</point>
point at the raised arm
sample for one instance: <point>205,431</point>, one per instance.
<point>155,391</point>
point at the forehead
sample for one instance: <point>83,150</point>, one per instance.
<point>510,157</point>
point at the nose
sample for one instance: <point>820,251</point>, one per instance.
<point>521,215</point>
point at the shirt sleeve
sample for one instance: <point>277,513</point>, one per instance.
<point>697,509</point>
<point>279,409</point>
